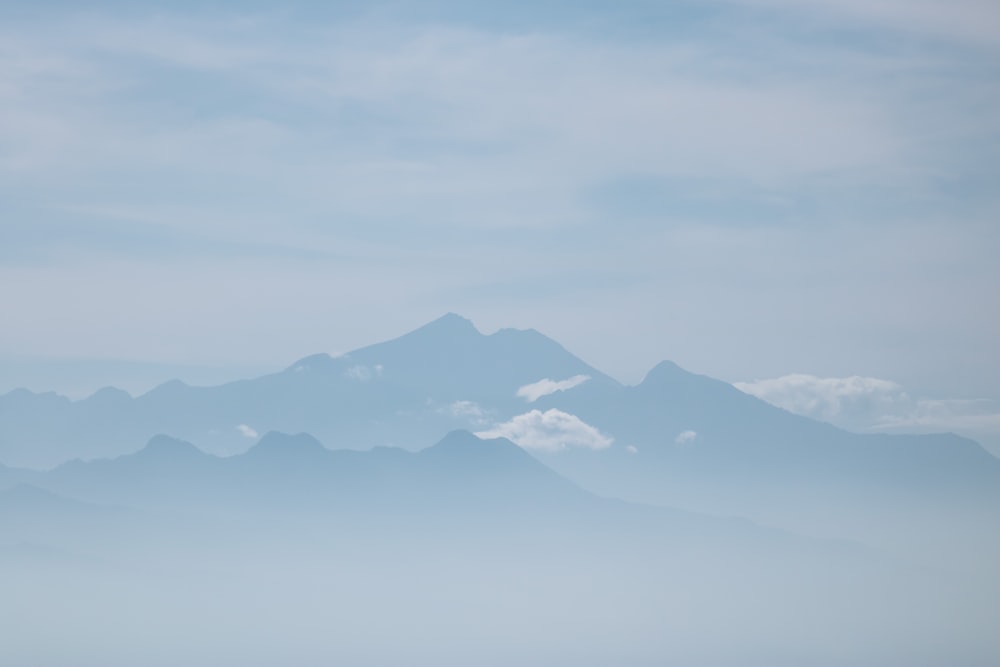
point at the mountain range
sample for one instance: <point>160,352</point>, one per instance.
<point>479,487</point>
<point>446,375</point>
<point>676,439</point>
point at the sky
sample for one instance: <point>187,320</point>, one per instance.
<point>759,190</point>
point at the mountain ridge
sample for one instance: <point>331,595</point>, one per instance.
<point>446,375</point>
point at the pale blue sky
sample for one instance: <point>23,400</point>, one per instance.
<point>751,188</point>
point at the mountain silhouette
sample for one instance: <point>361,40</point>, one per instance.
<point>283,471</point>
<point>404,392</point>
<point>468,524</point>
<point>279,447</point>
<point>678,438</point>
<point>462,485</point>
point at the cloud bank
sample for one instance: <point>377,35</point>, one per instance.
<point>551,431</point>
<point>867,404</point>
<point>829,399</point>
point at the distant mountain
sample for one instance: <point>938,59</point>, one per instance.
<point>656,500</point>
<point>404,392</point>
<point>462,488</point>
<point>677,438</point>
<point>687,440</point>
<point>463,485</point>
<point>283,471</point>
<point>339,553</point>
<point>691,426</point>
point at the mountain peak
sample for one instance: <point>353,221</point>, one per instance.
<point>665,371</point>
<point>458,439</point>
<point>461,445</point>
<point>284,445</point>
<point>314,362</point>
<point>450,323</point>
<point>170,388</point>
<point>163,446</point>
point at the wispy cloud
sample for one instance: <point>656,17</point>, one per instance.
<point>686,437</point>
<point>866,404</point>
<point>552,430</point>
<point>469,411</point>
<point>545,109</point>
<point>830,399</point>
<point>246,431</point>
<point>532,392</point>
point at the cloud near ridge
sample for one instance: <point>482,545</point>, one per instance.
<point>469,411</point>
<point>829,399</point>
<point>534,391</point>
<point>551,431</point>
<point>866,404</point>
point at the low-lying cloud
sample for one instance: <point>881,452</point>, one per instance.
<point>866,404</point>
<point>534,391</point>
<point>552,431</point>
<point>835,400</point>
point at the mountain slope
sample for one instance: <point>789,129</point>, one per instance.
<point>677,438</point>
<point>283,471</point>
<point>404,392</point>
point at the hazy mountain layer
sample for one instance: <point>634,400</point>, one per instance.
<point>467,552</point>
<point>677,439</point>
<point>406,392</point>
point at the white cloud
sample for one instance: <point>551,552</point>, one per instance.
<point>246,431</point>
<point>982,415</point>
<point>532,392</point>
<point>829,399</point>
<point>465,409</point>
<point>552,430</point>
<point>866,404</point>
<point>686,437</point>
<point>468,410</point>
<point>471,86</point>
<point>632,449</point>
